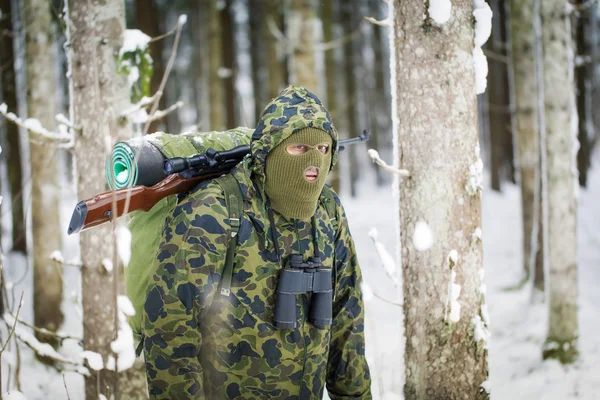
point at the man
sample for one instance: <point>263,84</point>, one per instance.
<point>205,342</point>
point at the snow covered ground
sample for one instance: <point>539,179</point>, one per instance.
<point>518,328</point>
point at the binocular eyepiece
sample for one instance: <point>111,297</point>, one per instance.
<point>299,278</point>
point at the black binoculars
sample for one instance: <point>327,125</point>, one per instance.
<point>299,278</point>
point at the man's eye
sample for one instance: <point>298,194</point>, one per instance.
<point>297,149</point>
<point>323,148</point>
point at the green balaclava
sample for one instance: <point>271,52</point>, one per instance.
<point>290,192</point>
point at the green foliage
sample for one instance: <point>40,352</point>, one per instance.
<point>137,64</point>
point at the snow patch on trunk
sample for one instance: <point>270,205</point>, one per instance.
<point>440,11</point>
<point>483,28</point>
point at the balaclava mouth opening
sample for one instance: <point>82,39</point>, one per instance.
<point>290,192</point>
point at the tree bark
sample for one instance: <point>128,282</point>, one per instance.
<point>257,54</point>
<point>435,114</point>
<point>276,59</point>
<point>499,102</point>
<point>95,29</point>
<point>47,274</point>
<point>560,117</point>
<point>585,40</point>
<point>349,22</point>
<point>329,11</point>
<point>215,59</point>
<point>301,32</point>
<point>524,44</point>
<point>147,15</point>
<point>228,49</point>
<point>12,150</point>
<point>378,99</point>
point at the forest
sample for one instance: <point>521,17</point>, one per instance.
<point>472,206</point>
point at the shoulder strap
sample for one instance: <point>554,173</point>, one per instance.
<point>328,202</point>
<point>233,200</point>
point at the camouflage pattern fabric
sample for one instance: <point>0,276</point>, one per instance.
<point>203,345</point>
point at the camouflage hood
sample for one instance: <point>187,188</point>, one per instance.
<point>293,110</point>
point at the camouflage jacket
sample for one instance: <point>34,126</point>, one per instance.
<point>201,344</point>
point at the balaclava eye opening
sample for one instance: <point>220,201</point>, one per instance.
<point>290,192</point>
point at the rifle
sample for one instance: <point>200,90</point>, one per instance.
<point>183,174</point>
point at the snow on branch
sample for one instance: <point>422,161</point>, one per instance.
<point>163,113</point>
<point>389,265</point>
<point>35,126</point>
<point>42,349</point>
<point>143,103</point>
<point>368,295</point>
<point>58,335</point>
<point>376,159</point>
<point>383,22</point>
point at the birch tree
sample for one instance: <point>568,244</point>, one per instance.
<point>47,273</point>
<point>435,119</point>
<point>561,147</point>
<point>524,45</point>
<point>98,94</point>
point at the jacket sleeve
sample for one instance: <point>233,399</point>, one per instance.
<point>187,273</point>
<point>348,375</point>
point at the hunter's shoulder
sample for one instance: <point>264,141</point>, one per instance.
<point>206,198</point>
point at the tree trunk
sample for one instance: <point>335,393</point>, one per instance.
<point>301,32</point>
<point>349,22</point>
<point>329,12</point>
<point>524,44</point>
<point>499,101</point>
<point>276,59</point>
<point>199,21</point>
<point>435,114</point>
<point>147,15</point>
<point>215,58</point>
<point>12,150</point>
<point>98,94</point>
<point>228,48</point>
<point>47,274</point>
<point>560,112</point>
<point>585,41</point>
<point>257,55</point>
<point>378,99</point>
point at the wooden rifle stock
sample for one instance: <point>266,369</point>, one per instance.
<point>98,210</point>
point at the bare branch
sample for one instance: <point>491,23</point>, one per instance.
<point>44,331</point>
<point>182,20</point>
<point>66,388</point>
<point>14,325</point>
<point>383,22</point>
<point>332,44</point>
<point>34,126</point>
<point>496,56</point>
<point>143,103</point>
<point>376,159</point>
<point>163,113</point>
<point>164,35</point>
<point>394,303</point>
<point>276,32</point>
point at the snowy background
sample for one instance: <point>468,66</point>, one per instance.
<point>517,326</point>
